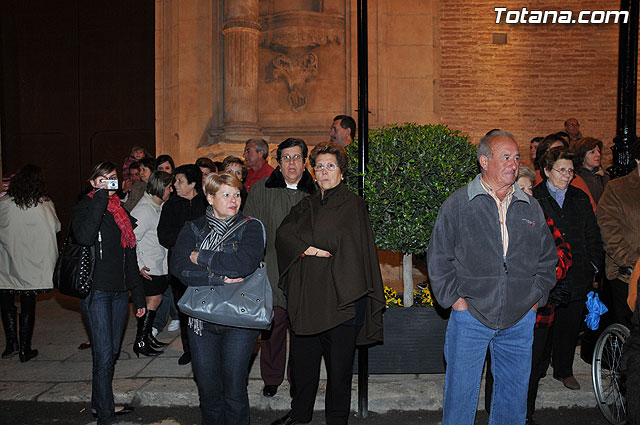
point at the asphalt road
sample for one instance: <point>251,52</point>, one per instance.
<point>36,413</point>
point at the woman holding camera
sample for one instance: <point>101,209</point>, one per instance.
<point>99,220</point>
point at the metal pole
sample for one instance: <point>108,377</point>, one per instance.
<point>627,87</point>
<point>363,139</point>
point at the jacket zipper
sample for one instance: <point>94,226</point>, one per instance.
<point>124,271</point>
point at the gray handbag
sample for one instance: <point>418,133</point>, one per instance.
<point>247,304</point>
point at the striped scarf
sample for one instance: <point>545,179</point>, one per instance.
<point>218,229</point>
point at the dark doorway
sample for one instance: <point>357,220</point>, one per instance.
<point>77,87</point>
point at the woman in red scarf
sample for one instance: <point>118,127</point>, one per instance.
<point>98,220</point>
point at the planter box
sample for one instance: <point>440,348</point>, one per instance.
<point>413,342</point>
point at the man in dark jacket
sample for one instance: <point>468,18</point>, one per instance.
<point>270,201</point>
<point>188,204</point>
<point>492,258</point>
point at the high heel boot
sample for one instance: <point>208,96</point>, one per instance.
<point>148,328</point>
<point>26,332</point>
<point>10,324</point>
<point>141,346</point>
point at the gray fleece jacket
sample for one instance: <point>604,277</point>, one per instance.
<point>465,256</point>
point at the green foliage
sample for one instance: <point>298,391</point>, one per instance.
<point>412,169</point>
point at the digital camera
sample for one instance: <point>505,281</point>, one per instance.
<point>112,184</point>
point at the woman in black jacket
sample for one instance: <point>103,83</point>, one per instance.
<point>571,212</point>
<point>188,204</point>
<point>586,160</point>
<point>220,354</point>
<point>99,220</point>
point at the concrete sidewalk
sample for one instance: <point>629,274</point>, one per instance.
<point>62,373</point>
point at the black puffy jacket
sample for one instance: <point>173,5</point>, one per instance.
<point>175,213</point>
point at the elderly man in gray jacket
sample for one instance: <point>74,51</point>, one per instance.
<point>492,259</point>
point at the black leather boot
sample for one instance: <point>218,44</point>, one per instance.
<point>141,346</point>
<point>10,324</point>
<point>148,328</point>
<point>26,332</point>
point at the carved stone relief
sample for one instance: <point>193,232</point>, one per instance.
<point>295,70</point>
<point>292,36</point>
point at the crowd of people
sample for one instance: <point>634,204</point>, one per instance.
<point>551,226</point>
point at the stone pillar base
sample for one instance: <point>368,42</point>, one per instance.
<point>237,134</point>
<point>221,148</point>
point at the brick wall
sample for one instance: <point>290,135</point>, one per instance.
<point>543,75</point>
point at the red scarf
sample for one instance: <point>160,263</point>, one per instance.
<point>127,237</point>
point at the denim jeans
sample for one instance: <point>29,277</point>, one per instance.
<point>220,361</point>
<point>166,309</point>
<point>465,348</point>
<point>105,319</point>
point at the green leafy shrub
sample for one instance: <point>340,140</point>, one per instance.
<point>411,170</point>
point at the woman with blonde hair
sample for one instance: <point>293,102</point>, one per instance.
<point>220,354</point>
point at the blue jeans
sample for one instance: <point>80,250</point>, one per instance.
<point>220,361</point>
<point>105,319</point>
<point>166,309</point>
<point>465,349</point>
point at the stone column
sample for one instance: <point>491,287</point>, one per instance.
<point>241,32</point>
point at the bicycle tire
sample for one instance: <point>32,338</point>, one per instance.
<point>608,382</point>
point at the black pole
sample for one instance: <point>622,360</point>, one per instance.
<point>363,141</point>
<point>627,87</point>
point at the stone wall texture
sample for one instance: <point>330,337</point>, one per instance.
<point>430,61</point>
<point>543,75</point>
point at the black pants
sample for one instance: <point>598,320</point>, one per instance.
<point>337,346</point>
<point>565,329</point>
<point>178,290</point>
<point>616,294</point>
<point>27,302</point>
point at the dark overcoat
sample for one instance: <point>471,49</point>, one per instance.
<point>577,223</point>
<point>321,292</point>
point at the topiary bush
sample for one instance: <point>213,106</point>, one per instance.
<point>411,170</point>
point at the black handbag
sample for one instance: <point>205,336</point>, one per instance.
<point>247,304</point>
<point>73,273</point>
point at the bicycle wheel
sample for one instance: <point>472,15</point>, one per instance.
<point>608,383</point>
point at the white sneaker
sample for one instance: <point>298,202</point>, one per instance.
<point>174,325</point>
<point>154,332</point>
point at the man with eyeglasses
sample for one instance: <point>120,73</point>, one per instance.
<point>572,127</point>
<point>269,201</point>
<point>492,259</point>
